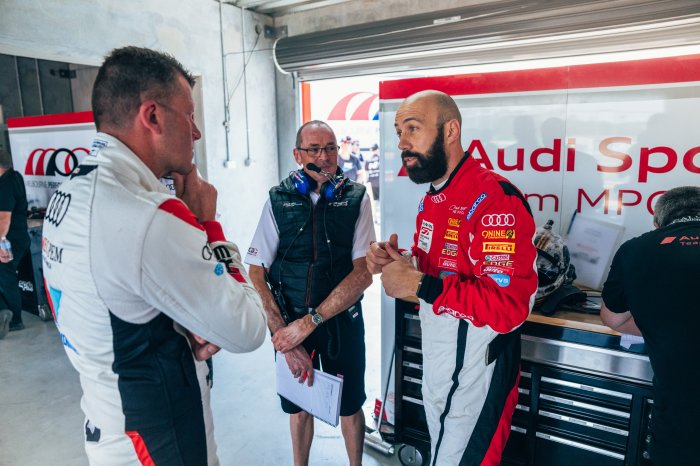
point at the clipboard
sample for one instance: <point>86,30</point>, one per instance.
<point>592,244</point>
<point>321,400</point>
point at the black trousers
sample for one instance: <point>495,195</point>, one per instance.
<point>10,294</point>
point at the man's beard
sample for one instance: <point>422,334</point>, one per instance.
<point>428,167</point>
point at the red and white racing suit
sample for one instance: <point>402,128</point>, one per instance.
<point>127,266</point>
<point>473,241</point>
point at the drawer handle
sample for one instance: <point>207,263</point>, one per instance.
<point>411,349</point>
<point>413,365</point>
<point>413,400</point>
<point>582,446</point>
<point>579,404</point>
<point>581,422</point>
<point>602,391</point>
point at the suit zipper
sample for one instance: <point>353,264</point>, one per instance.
<point>310,274</point>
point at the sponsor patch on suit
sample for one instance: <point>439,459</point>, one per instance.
<point>425,236</point>
<point>498,246</point>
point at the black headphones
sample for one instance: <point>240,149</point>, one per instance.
<point>330,191</point>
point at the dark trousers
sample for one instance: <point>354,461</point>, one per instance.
<point>10,294</point>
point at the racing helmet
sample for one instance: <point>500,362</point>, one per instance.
<point>554,267</point>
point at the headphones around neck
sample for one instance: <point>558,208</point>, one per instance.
<point>332,190</point>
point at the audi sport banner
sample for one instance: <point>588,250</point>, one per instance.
<point>602,140</point>
<point>46,149</point>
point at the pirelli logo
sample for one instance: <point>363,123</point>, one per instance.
<point>498,247</point>
<point>451,235</point>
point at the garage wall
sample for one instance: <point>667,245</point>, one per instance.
<point>83,31</point>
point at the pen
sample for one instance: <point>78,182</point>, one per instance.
<point>313,353</point>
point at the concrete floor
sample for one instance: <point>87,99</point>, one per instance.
<point>41,422</point>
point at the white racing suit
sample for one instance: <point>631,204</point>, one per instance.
<point>127,269</point>
<point>474,243</point>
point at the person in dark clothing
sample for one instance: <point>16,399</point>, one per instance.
<point>652,291</point>
<point>13,227</point>
<point>352,167</point>
<point>372,168</point>
<point>312,237</point>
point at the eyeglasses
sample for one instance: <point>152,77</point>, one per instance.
<point>330,150</point>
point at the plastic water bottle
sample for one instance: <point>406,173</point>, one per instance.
<point>5,250</point>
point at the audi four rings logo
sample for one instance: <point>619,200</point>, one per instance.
<point>53,162</point>
<point>207,253</point>
<point>438,198</point>
<point>57,208</point>
<point>498,220</point>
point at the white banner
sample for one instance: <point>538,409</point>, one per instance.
<point>46,149</point>
<point>570,142</point>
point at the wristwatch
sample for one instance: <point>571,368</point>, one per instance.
<point>316,318</point>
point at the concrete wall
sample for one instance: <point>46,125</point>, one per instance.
<point>83,31</point>
<point>288,121</point>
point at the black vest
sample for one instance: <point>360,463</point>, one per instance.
<point>315,248</point>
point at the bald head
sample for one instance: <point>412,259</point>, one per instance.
<point>429,128</point>
<point>441,103</point>
<point>311,125</point>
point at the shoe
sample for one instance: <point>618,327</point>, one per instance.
<point>5,318</point>
<point>17,326</point>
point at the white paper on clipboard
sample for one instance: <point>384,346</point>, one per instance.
<point>321,400</point>
<point>592,244</point>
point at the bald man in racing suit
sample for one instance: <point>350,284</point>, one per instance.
<point>472,269</point>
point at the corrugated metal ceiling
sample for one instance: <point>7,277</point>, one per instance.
<point>283,7</point>
<point>492,32</point>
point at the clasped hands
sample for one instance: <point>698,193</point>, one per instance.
<point>288,341</point>
<point>292,335</point>
<point>400,278</point>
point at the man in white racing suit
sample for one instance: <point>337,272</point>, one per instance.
<point>144,286</point>
<point>472,268</point>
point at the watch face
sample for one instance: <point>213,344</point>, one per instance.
<point>317,319</point>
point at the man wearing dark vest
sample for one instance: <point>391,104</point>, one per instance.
<point>310,247</point>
